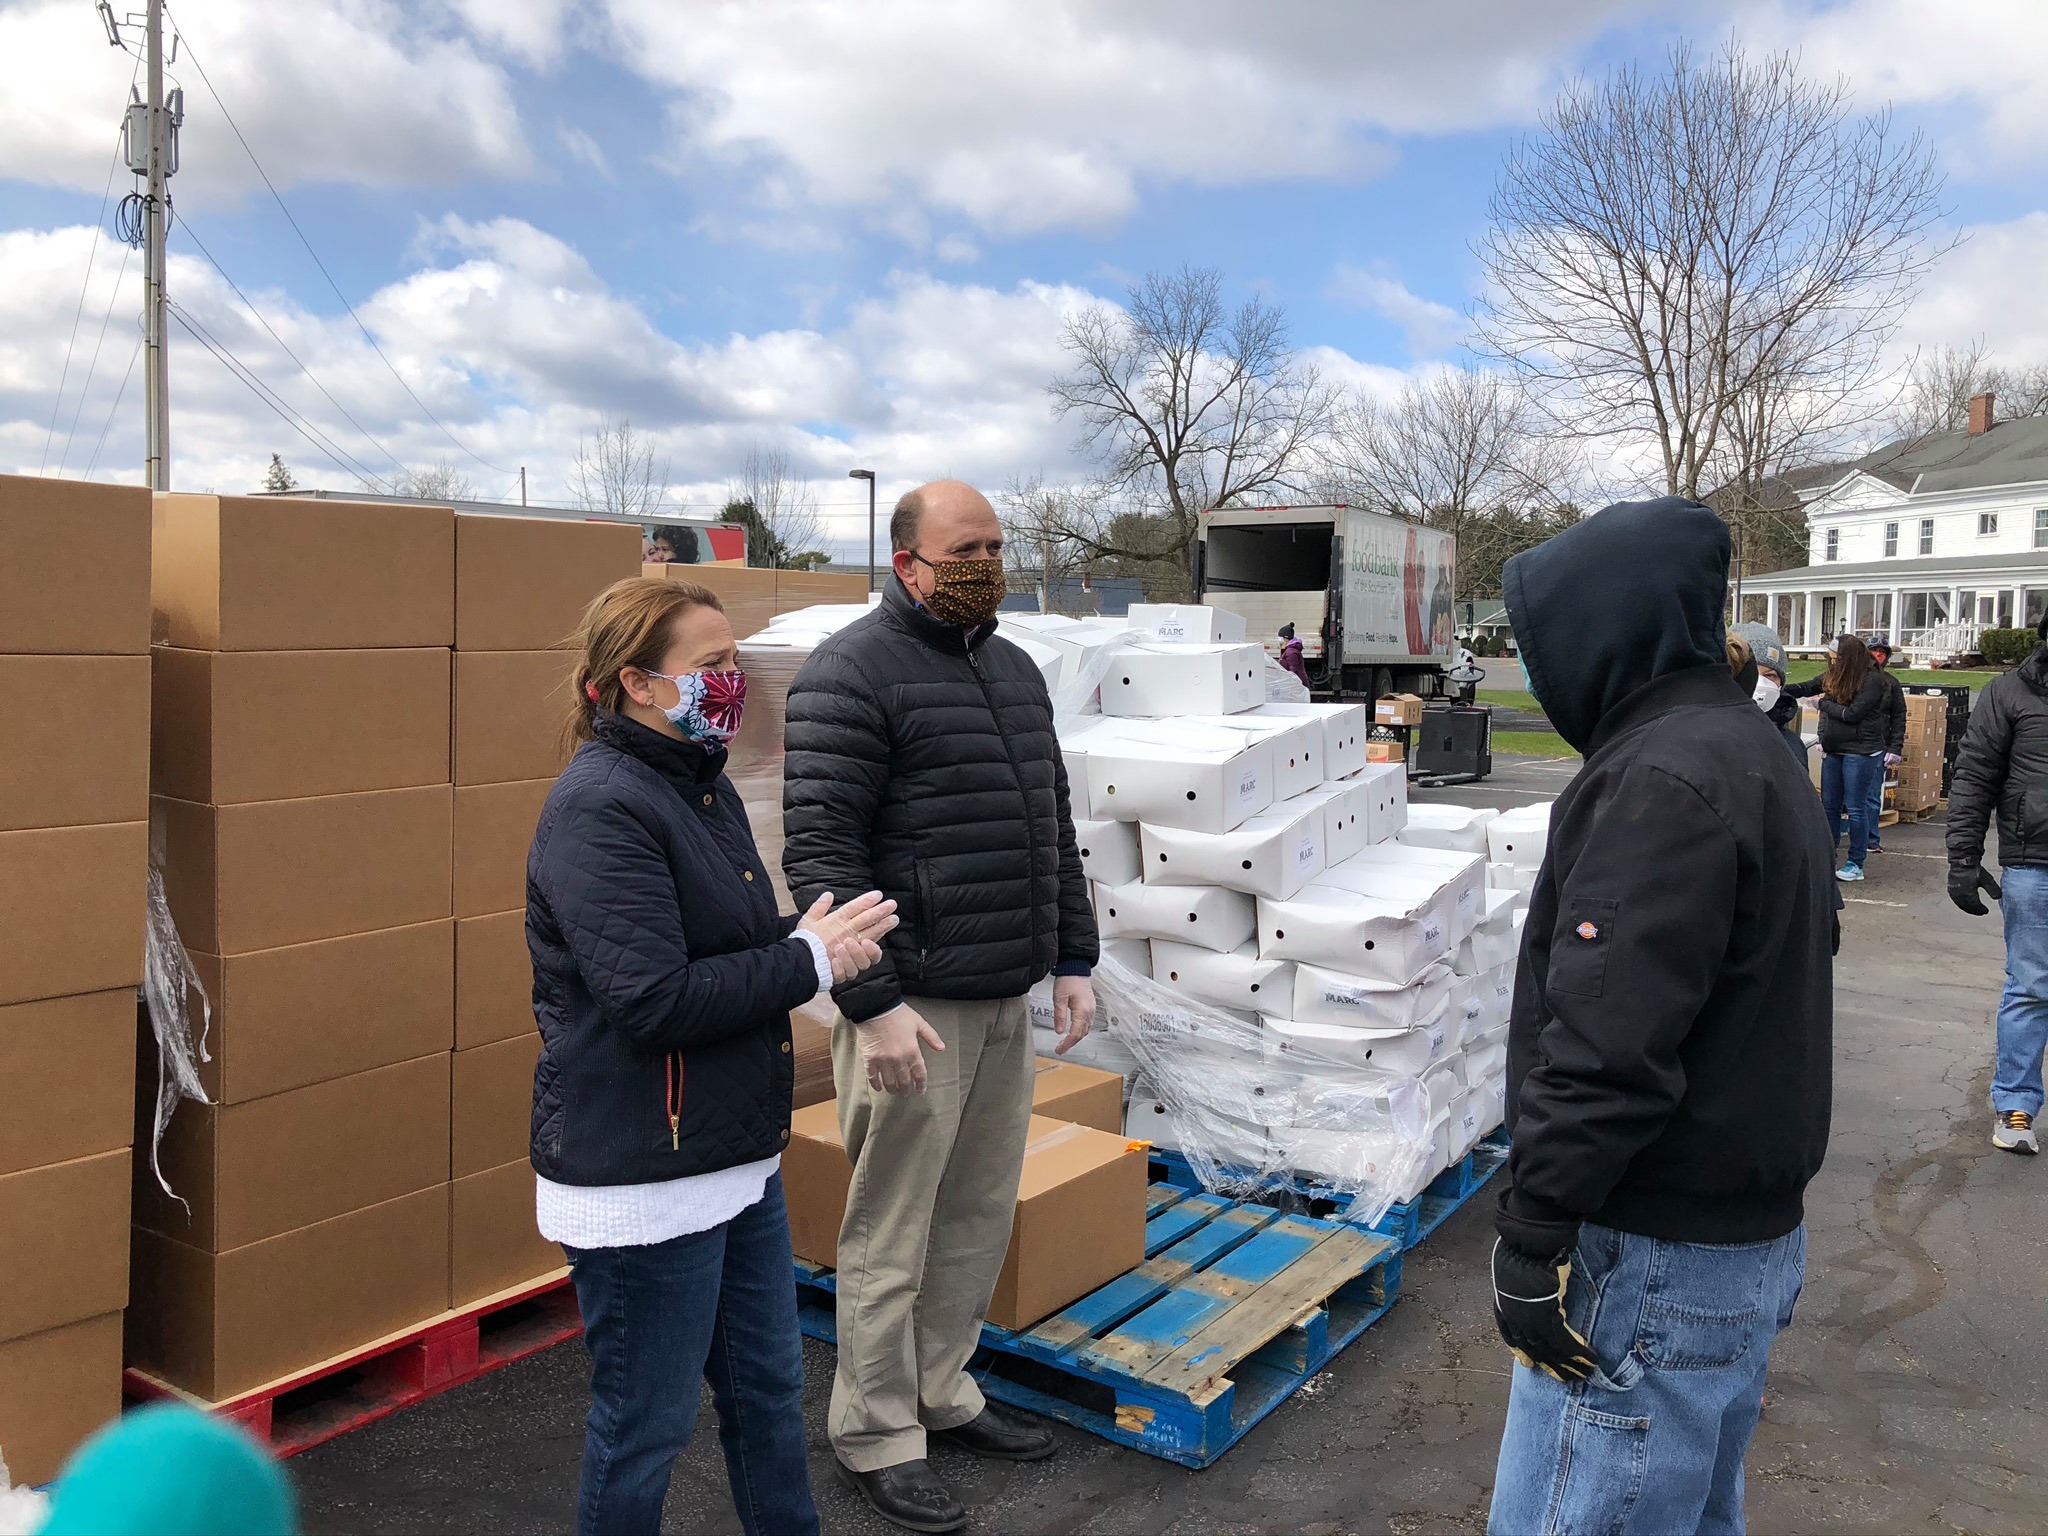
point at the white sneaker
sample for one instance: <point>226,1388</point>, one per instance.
<point>2012,1130</point>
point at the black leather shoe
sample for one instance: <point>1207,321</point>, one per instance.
<point>1001,1436</point>
<point>909,1495</point>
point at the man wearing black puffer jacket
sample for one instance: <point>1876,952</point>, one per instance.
<point>2002,767</point>
<point>919,758</point>
<point>1669,1051</point>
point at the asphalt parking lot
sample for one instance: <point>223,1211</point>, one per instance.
<point>1904,1399</point>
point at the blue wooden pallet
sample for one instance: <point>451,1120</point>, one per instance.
<point>1235,1306</point>
<point>1408,1222</point>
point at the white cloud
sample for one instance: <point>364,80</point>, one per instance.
<point>957,249</point>
<point>1989,57</point>
<point>530,30</point>
<point>585,150</point>
<point>1430,328</point>
<point>1025,115</point>
<point>368,91</point>
<point>1990,286</point>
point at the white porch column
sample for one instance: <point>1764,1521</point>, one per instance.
<point>1812,635</point>
<point>1892,632</point>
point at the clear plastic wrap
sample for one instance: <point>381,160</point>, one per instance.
<point>1250,1120</point>
<point>168,985</point>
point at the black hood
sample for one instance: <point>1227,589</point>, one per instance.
<point>1632,594</point>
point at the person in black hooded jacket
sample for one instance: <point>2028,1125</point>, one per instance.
<point>662,982</point>
<point>1669,1050</point>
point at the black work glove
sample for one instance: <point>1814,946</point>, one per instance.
<point>1528,1307</point>
<point>1964,884</point>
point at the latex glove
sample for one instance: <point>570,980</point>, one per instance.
<point>892,1047</point>
<point>1528,1308</point>
<point>1963,886</point>
<point>852,935</point>
<point>1892,759</point>
<point>1073,1011</point>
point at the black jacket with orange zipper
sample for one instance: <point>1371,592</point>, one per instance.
<point>662,974</point>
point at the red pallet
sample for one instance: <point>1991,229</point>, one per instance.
<point>312,1406</point>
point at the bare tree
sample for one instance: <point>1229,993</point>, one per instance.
<point>786,527</point>
<point>1463,449</point>
<point>615,471</point>
<point>1187,404</point>
<point>1939,384</point>
<point>440,481</point>
<point>1040,547</point>
<point>1668,245</point>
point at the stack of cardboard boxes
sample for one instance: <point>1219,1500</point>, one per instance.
<point>1920,771</point>
<point>301,815</point>
<point>521,586</point>
<point>74,762</point>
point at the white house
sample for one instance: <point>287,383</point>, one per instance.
<point>1925,543</point>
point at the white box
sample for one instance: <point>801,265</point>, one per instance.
<point>1103,1052</point>
<point>1512,877</point>
<point>1519,836</point>
<point>1457,828</point>
<point>1146,1119</point>
<point>1345,1158</point>
<point>1387,938</point>
<point>1239,981</point>
<point>1051,660</point>
<point>1387,800</point>
<point>1109,851</point>
<point>1398,1052</point>
<point>1344,729</point>
<point>1297,746</point>
<point>1206,916</point>
<point>1347,812</point>
<point>1178,775</point>
<point>1075,738</point>
<point>1455,883</point>
<point>1274,853</point>
<point>1485,1062</point>
<point>1162,681</point>
<point>1324,996</point>
<point>1444,1081</point>
<point>1131,954</point>
<point>1187,623</point>
<point>1494,940</point>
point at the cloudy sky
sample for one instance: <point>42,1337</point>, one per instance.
<point>846,230</point>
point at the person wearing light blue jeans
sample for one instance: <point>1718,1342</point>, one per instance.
<point>2023,1010</point>
<point>1653,1441</point>
<point>1846,780</point>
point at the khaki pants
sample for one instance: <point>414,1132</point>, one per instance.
<point>927,1224</point>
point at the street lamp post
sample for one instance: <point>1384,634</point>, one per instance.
<point>869,476</point>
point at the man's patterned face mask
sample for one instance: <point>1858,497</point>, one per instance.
<point>965,592</point>
<point>708,705</point>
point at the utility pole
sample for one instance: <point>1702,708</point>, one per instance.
<point>522,485</point>
<point>156,377</point>
<point>869,476</point>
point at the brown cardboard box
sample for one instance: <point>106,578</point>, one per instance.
<point>263,573</point>
<point>1385,752</point>
<point>307,1013</point>
<point>64,1229</point>
<point>747,592</point>
<point>522,583</point>
<point>810,1037</point>
<point>1398,709</point>
<point>493,833</point>
<point>74,568</point>
<point>510,707</point>
<point>493,980</point>
<point>277,872</point>
<point>68,1064</point>
<point>258,1170</point>
<point>73,902</point>
<point>75,747</point>
<point>493,1243</point>
<point>231,727</point>
<point>222,1324</point>
<point>1080,1218</point>
<point>492,1122</point>
<point>56,1388</point>
<point>1080,1095</point>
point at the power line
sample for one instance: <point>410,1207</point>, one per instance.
<point>113,410</point>
<point>224,355</point>
<point>186,224</point>
<point>308,244</point>
<point>84,389</point>
<point>91,255</point>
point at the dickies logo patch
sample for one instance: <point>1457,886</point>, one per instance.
<point>1588,930</point>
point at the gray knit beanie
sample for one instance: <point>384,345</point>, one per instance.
<point>1763,644</point>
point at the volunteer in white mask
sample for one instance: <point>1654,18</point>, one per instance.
<point>1769,689</point>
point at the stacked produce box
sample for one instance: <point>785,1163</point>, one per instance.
<point>521,586</point>
<point>301,815</point>
<point>74,787</point>
<point>1921,773</point>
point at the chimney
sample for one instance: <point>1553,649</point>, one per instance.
<point>1980,414</point>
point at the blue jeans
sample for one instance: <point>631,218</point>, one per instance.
<point>2023,1011</point>
<point>717,1306</point>
<point>1876,801</point>
<point>1653,1444</point>
<point>1845,795</point>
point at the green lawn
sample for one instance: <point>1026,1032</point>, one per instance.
<point>1532,743</point>
<point>1802,670</point>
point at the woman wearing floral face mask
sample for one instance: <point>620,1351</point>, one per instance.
<point>662,980</point>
